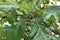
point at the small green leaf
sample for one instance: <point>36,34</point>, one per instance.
<point>11,19</point>
<point>19,12</point>
<point>52,19</point>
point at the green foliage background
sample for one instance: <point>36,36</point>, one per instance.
<point>29,20</point>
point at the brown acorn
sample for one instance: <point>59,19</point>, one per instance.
<point>32,16</point>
